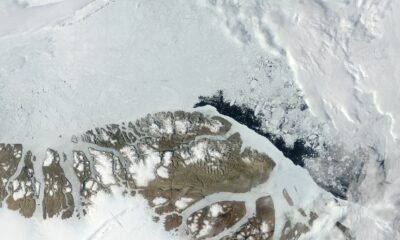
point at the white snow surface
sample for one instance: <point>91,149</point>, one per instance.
<point>36,3</point>
<point>183,202</point>
<point>344,57</point>
<point>198,152</point>
<point>48,159</point>
<point>109,216</point>
<point>19,194</point>
<point>68,66</point>
<point>206,228</point>
<point>216,210</point>
<point>103,166</point>
<point>159,200</point>
<point>162,172</point>
<point>143,170</point>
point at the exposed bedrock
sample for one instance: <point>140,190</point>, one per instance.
<point>173,159</point>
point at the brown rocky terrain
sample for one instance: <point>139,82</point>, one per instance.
<point>259,227</point>
<point>10,156</point>
<point>57,198</point>
<point>214,219</point>
<point>173,159</point>
<point>24,190</point>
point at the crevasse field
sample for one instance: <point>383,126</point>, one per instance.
<point>319,75</point>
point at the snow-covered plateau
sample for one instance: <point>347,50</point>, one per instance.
<point>312,86</point>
